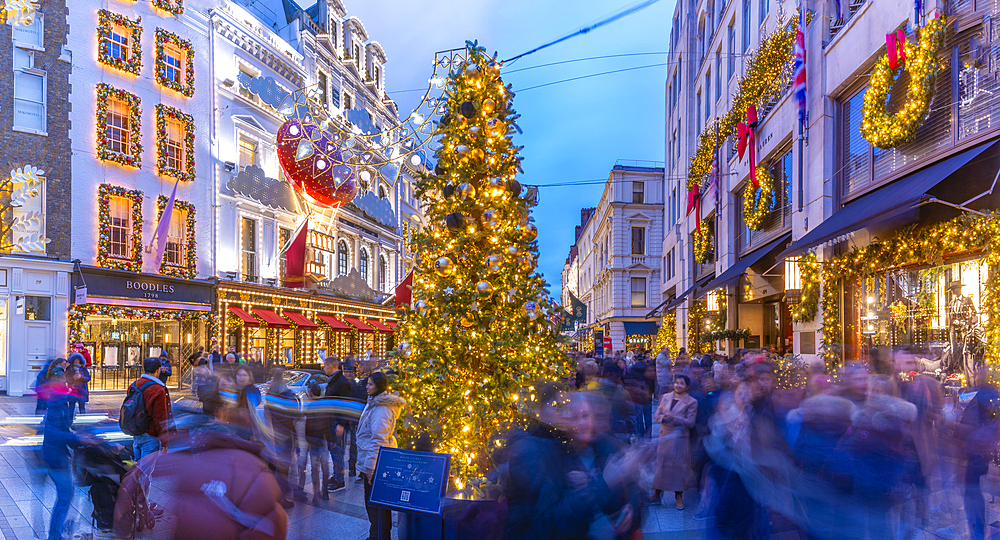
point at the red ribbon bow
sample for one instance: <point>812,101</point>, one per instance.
<point>744,131</point>
<point>694,203</point>
<point>894,48</point>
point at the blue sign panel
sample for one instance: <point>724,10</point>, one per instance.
<point>410,481</point>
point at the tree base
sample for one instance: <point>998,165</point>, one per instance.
<point>463,519</point>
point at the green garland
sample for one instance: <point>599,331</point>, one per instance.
<point>889,131</point>
<point>106,19</point>
<point>106,92</point>
<point>164,37</point>
<point>703,242</point>
<point>190,270</point>
<point>809,273</point>
<point>667,335</point>
<point>757,203</point>
<point>104,194</point>
<point>164,112</point>
<point>176,6</point>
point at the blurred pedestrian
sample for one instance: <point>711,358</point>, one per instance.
<point>57,443</point>
<point>376,429</point>
<point>979,434</point>
<point>663,378</point>
<point>167,370</point>
<point>283,407</point>
<point>317,434</point>
<point>339,385</point>
<point>676,415</point>
<point>79,379</point>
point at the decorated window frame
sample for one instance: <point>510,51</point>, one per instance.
<point>107,21</point>
<point>104,258</point>
<point>163,114</point>
<point>132,158</point>
<point>188,270</point>
<point>165,39</point>
<point>175,7</point>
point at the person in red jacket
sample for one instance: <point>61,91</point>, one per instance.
<point>157,401</point>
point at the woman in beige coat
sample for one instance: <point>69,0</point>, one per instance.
<point>676,415</point>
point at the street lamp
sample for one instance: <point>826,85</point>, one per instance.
<point>712,302</point>
<point>793,281</point>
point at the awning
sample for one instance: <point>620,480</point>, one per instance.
<point>379,327</point>
<point>247,318</point>
<point>391,324</point>
<point>643,328</point>
<point>680,298</point>
<point>300,320</point>
<point>884,203</point>
<point>362,327</point>
<point>735,271</point>
<point>658,306</point>
<point>271,318</point>
<point>335,324</point>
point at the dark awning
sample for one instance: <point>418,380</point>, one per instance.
<point>657,308</point>
<point>735,271</point>
<point>642,328</point>
<point>680,297</point>
<point>884,203</point>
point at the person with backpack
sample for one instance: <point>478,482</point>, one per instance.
<point>146,411</point>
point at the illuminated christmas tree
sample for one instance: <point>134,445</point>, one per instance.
<point>478,333</point>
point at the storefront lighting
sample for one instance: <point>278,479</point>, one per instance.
<point>189,338</point>
<point>166,338</point>
<point>793,280</point>
<point>871,300</point>
<point>712,301</point>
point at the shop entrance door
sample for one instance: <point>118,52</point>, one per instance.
<point>772,326</point>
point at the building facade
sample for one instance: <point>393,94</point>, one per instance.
<point>616,268</point>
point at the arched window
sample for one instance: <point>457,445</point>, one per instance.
<point>383,269</point>
<point>364,265</point>
<point>342,258</point>
<point>381,192</point>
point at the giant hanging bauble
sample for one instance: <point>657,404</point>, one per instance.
<point>313,164</point>
<point>444,267</point>
<point>456,222</point>
<point>490,219</point>
<point>484,288</point>
<point>465,191</point>
<point>421,306</point>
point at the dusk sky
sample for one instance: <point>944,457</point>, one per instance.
<point>573,131</point>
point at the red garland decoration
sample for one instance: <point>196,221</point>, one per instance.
<point>162,113</point>
<point>133,64</point>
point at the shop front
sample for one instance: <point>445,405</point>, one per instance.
<point>273,325</point>
<point>640,335</point>
<point>123,318</point>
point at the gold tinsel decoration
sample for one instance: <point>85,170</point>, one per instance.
<point>703,242</point>
<point>757,203</point>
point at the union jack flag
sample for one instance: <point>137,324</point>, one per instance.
<point>799,65</point>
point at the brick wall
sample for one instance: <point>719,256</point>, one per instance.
<point>52,152</point>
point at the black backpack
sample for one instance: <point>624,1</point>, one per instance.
<point>134,420</point>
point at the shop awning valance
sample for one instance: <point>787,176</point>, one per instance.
<point>271,318</point>
<point>300,320</point>
<point>379,327</point>
<point>641,328</point>
<point>391,324</point>
<point>652,313</point>
<point>335,324</point>
<point>736,270</point>
<point>680,298</point>
<point>247,318</point>
<point>884,203</point>
<point>362,327</point>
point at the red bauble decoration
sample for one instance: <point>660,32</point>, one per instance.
<point>318,175</point>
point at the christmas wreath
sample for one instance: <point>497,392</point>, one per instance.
<point>757,202</point>
<point>877,125</point>
<point>703,242</point>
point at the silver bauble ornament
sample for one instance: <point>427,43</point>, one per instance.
<point>484,288</point>
<point>491,219</point>
<point>513,251</point>
<point>405,349</point>
<point>465,191</point>
<point>422,307</point>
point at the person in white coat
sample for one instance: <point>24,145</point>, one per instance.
<point>376,428</point>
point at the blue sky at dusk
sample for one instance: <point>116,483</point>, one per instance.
<point>573,131</point>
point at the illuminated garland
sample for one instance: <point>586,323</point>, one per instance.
<point>667,335</point>
<point>916,245</point>
<point>176,6</point>
<point>164,112</point>
<point>190,270</point>
<point>696,318</point>
<point>164,37</point>
<point>106,19</point>
<point>809,273</point>
<point>877,125</point>
<point>78,314</point>
<point>757,203</point>
<point>703,242</point>
<point>104,194</point>
<point>106,92</point>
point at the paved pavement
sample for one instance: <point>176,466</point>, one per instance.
<point>27,495</point>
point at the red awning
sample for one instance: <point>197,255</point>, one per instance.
<point>300,320</point>
<point>271,318</point>
<point>391,324</point>
<point>335,324</point>
<point>247,318</point>
<point>362,327</point>
<point>381,328</point>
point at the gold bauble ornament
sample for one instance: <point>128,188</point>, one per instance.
<point>478,154</point>
<point>461,150</point>
<point>484,288</point>
<point>493,263</point>
<point>490,218</point>
<point>473,72</point>
<point>474,131</point>
<point>495,127</point>
<point>444,267</point>
<point>465,191</point>
<point>468,320</point>
<point>527,263</point>
<point>513,251</point>
<point>489,106</point>
<point>530,310</point>
<point>528,231</point>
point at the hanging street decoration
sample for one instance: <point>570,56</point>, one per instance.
<point>758,200</point>
<point>885,130</point>
<point>703,241</point>
<point>18,12</point>
<point>313,163</point>
<point>24,231</point>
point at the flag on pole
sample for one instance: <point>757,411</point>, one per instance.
<point>840,9</point>
<point>295,259</point>
<point>799,65</point>
<point>163,230</point>
<point>404,294</point>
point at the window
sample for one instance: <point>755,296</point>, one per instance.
<point>638,189</point>
<point>779,219</point>
<point>718,73</point>
<point>363,266</point>
<point>357,56</point>
<point>664,273</point>
<point>37,308</point>
<point>323,84</point>
<point>708,93</point>
<point>284,238</point>
<point>638,292</point>
<point>120,210</point>
<point>746,25</point>
<point>29,92</point>
<point>348,101</point>
<point>175,252</point>
<point>855,150</point>
<point>117,129</point>
<point>638,240</point>
<point>248,152</point>
<point>381,192</point>
<point>172,64</point>
<point>731,61</point>
<point>764,6</point>
<point>383,273</point>
<point>342,258</point>
<point>377,76</point>
<point>173,142</point>
<point>248,245</point>
<point>697,113</point>
<point>32,35</point>
<point>118,42</point>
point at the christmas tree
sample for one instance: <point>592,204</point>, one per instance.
<point>478,334</point>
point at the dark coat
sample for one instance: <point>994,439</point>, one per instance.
<point>58,438</point>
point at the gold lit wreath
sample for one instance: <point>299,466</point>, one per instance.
<point>877,125</point>
<point>757,203</point>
